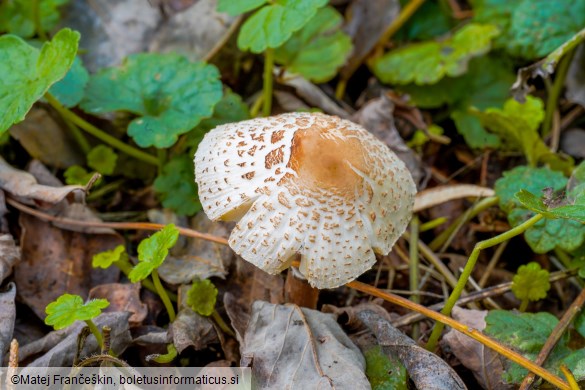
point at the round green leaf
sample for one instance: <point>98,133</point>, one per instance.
<point>170,94</point>
<point>428,62</point>
<point>27,73</point>
<point>202,296</point>
<point>238,7</point>
<point>318,49</point>
<point>18,16</point>
<point>153,251</point>
<point>273,24</point>
<point>107,258</point>
<point>69,91</point>
<point>69,308</point>
<point>530,282</point>
<point>103,159</point>
<point>176,186</point>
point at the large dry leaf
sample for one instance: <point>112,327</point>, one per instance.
<point>122,297</point>
<point>484,363</point>
<point>62,344</point>
<point>9,255</point>
<point>377,116</point>
<point>367,21</point>
<point>24,185</point>
<point>426,369</point>
<point>194,32</point>
<point>7,318</point>
<point>289,347</point>
<point>197,258</point>
<point>56,261</point>
<point>192,330</point>
<point>44,139</point>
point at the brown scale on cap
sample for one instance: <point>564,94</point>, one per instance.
<point>308,184</point>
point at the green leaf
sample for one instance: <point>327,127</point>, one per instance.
<point>530,282</point>
<point>531,28</point>
<point>429,21</point>
<point>202,296</point>
<point>103,159</point>
<point>17,16</point>
<point>234,8</point>
<point>69,308</point>
<point>77,175</point>
<point>168,357</point>
<point>428,62</point>
<point>534,203</point>
<point>152,252</point>
<point>527,333</point>
<point>383,372</point>
<point>470,127</point>
<point>176,186</point>
<point>318,49</point>
<point>70,90</point>
<point>533,180</point>
<point>580,323</point>
<point>107,258</point>
<point>170,94</point>
<point>27,73</point>
<point>273,24</point>
<point>517,125</point>
<point>546,234</point>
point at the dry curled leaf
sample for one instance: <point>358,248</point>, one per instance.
<point>122,297</point>
<point>484,363</point>
<point>291,347</point>
<point>9,255</point>
<point>426,369</point>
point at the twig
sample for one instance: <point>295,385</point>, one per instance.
<point>413,264</point>
<point>555,336</point>
<point>473,333</point>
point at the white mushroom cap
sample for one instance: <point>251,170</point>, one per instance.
<point>308,184</point>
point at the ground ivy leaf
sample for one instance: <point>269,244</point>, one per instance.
<point>383,372</point>
<point>533,180</point>
<point>107,258</point>
<point>70,90</point>
<point>176,186</point>
<point>103,159</point>
<point>76,174</point>
<point>547,234</point>
<point>234,8</point>
<point>17,16</point>
<point>69,308</point>
<point>470,127</point>
<point>517,125</point>
<point>318,49</point>
<point>152,252</point>
<point>202,296</point>
<point>273,24</point>
<point>27,73</point>
<point>428,62</point>
<point>534,203</point>
<point>527,333</point>
<point>428,22</point>
<point>169,93</point>
<point>530,282</point>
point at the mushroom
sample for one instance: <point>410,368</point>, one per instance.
<point>308,184</point>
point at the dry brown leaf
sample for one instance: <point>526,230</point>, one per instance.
<point>484,363</point>
<point>192,330</point>
<point>56,261</point>
<point>427,370</point>
<point>62,344</point>
<point>24,186</point>
<point>7,318</point>
<point>367,21</point>
<point>294,348</point>
<point>9,255</point>
<point>122,297</point>
<point>44,139</point>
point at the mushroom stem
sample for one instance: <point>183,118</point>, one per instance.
<point>300,292</point>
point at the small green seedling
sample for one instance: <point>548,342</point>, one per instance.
<point>69,308</point>
<point>530,284</point>
<point>201,297</point>
<point>151,254</point>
